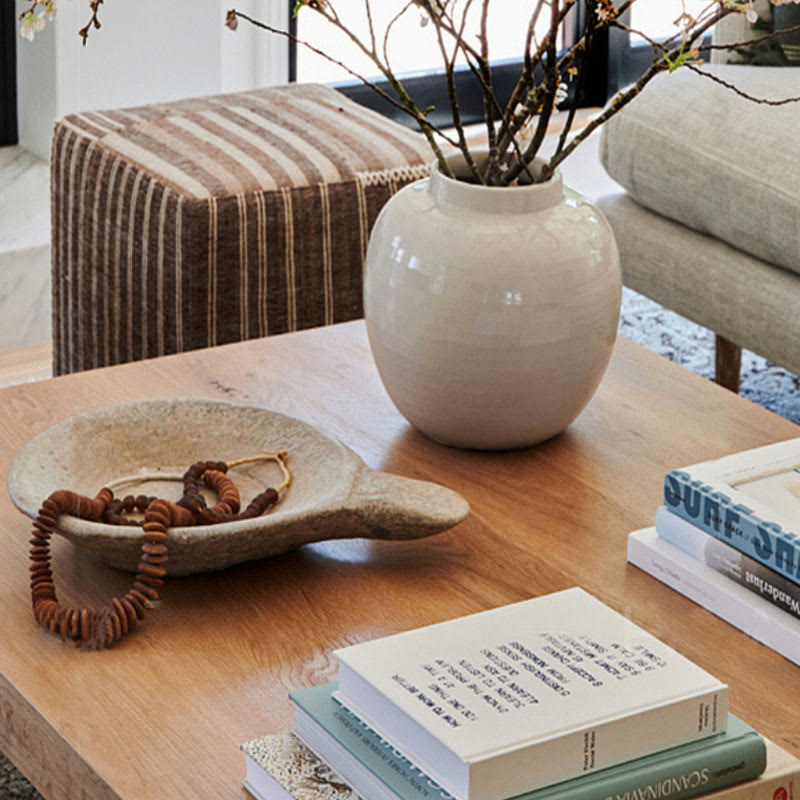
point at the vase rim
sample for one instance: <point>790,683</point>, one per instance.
<point>498,199</point>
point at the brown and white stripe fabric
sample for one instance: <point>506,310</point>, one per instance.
<point>213,220</point>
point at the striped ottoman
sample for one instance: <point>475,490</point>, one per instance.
<point>213,220</point>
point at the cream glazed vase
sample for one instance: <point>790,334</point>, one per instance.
<point>491,312</point>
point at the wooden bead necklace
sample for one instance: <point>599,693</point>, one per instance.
<point>99,628</point>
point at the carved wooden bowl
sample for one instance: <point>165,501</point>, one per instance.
<point>334,495</point>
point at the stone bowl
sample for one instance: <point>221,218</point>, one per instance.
<point>333,495</point>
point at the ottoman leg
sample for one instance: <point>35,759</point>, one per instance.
<point>728,363</point>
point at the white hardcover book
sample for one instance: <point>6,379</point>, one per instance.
<point>508,700</point>
<point>694,579</point>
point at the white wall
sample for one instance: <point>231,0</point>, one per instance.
<point>146,51</point>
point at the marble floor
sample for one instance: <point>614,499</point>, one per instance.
<point>24,249</point>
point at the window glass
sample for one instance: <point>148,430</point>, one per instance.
<point>656,18</point>
<point>413,47</point>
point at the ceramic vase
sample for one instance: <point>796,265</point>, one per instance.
<point>491,312</point>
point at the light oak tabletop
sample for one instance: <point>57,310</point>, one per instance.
<point>163,713</point>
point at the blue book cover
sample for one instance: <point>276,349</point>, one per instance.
<point>682,772</point>
<point>749,500</point>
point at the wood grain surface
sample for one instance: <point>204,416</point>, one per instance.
<point>162,714</point>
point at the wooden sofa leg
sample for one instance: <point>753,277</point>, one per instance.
<point>728,363</point>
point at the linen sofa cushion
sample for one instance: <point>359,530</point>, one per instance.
<point>696,152</point>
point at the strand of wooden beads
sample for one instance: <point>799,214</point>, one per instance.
<point>98,629</point>
<point>213,474</point>
<point>76,623</point>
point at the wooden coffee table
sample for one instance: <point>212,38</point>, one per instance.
<point>162,714</point>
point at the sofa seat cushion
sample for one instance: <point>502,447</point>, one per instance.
<point>700,277</point>
<point>696,152</point>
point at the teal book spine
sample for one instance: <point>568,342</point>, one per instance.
<point>679,773</point>
<point>733,523</point>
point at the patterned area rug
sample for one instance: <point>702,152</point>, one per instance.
<point>13,785</point>
<point>657,329</point>
<point>692,346</point>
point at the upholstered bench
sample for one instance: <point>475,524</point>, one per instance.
<point>213,220</point>
<point>710,222</point>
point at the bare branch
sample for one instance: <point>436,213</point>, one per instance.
<point>551,80</point>
<point>623,98</point>
<point>368,10</point>
<point>763,101</point>
<point>492,167</point>
<point>389,27</point>
<point>750,42</point>
<point>452,94</point>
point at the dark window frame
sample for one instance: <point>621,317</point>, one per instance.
<point>9,133</point>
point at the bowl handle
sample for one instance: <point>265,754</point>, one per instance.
<point>393,507</point>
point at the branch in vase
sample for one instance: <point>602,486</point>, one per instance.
<point>452,94</point>
<point>328,12</point>
<point>590,29</point>
<point>750,42</point>
<point>368,11</point>
<point>526,77</point>
<point>625,97</point>
<point>736,90</point>
<point>512,121</point>
<point>94,21</point>
<point>492,167</point>
<point>449,25</point>
<point>392,22</point>
<point>551,81</point>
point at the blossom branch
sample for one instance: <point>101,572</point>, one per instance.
<point>625,97</point>
<point>514,121</point>
<point>590,28</point>
<point>540,85</point>
<point>94,21</point>
<point>550,88</point>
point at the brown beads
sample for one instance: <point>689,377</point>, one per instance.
<point>213,474</point>
<point>98,629</point>
<point>116,508</point>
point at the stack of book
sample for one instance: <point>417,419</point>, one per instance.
<point>555,698</point>
<point>727,536</point>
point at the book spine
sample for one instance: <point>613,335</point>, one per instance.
<point>729,561</point>
<point>707,588</point>
<point>607,744</point>
<point>733,523</point>
<point>675,776</point>
<point>677,779</point>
